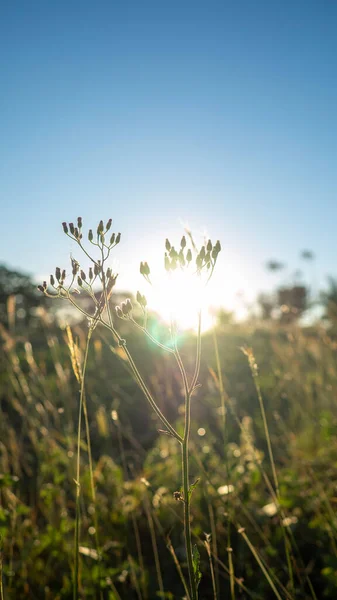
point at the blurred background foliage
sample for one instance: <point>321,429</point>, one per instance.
<point>137,470</point>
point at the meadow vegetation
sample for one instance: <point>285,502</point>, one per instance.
<point>109,491</point>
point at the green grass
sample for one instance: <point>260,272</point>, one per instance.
<point>240,493</point>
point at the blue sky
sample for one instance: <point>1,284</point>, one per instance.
<point>218,114</point>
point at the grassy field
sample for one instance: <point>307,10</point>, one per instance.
<point>263,508</point>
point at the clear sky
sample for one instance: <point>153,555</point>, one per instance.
<point>219,114</point>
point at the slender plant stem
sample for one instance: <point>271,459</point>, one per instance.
<point>78,487</point>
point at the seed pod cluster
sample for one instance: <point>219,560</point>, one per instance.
<point>207,255</point>
<point>125,309</point>
<point>174,259</point>
<point>141,300</point>
<point>76,232</point>
<point>144,270</point>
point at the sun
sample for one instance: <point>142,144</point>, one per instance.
<point>179,296</point>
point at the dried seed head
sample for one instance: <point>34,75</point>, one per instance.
<point>209,246</point>
<point>97,269</point>
<point>177,496</point>
<point>108,225</point>
<point>102,238</point>
<point>63,275</point>
<point>181,258</point>
<point>108,273</point>
<point>183,242</point>
<point>83,275</point>
<point>90,235</point>
<point>76,233</point>
<point>100,227</point>
<point>79,222</point>
<point>91,274</point>
<point>125,309</point>
<point>79,281</point>
<point>119,312</point>
<point>141,300</point>
<point>72,228</point>
<point>112,239</point>
<point>118,238</point>
<point>65,227</point>
<point>167,245</point>
<point>52,280</point>
<point>111,283</point>
<point>189,255</point>
<point>58,273</point>
<point>75,266</point>
<point>40,288</point>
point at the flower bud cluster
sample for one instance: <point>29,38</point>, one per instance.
<point>76,232</point>
<point>125,309</point>
<point>174,259</point>
<point>208,255</point>
<point>144,270</point>
<point>141,300</point>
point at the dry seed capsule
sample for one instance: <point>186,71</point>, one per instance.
<point>111,283</point>
<point>79,281</point>
<point>79,222</point>
<point>141,268</point>
<point>198,261</point>
<point>58,273</point>
<point>100,227</point>
<point>112,239</point>
<point>108,225</point>
<point>119,312</point>
<point>102,238</point>
<point>146,269</point>
<point>189,255</point>
<point>118,238</point>
<point>167,245</point>
<point>209,246</point>
<point>72,228</point>
<point>76,233</point>
<point>124,309</point>
<point>83,275</point>
<point>40,288</point>
<point>108,273</point>
<point>91,275</point>
<point>63,276</point>
<point>183,242</point>
<point>181,258</point>
<point>90,235</point>
<point>52,280</point>
<point>97,269</point>
<point>65,227</point>
<point>128,305</point>
<point>75,267</point>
